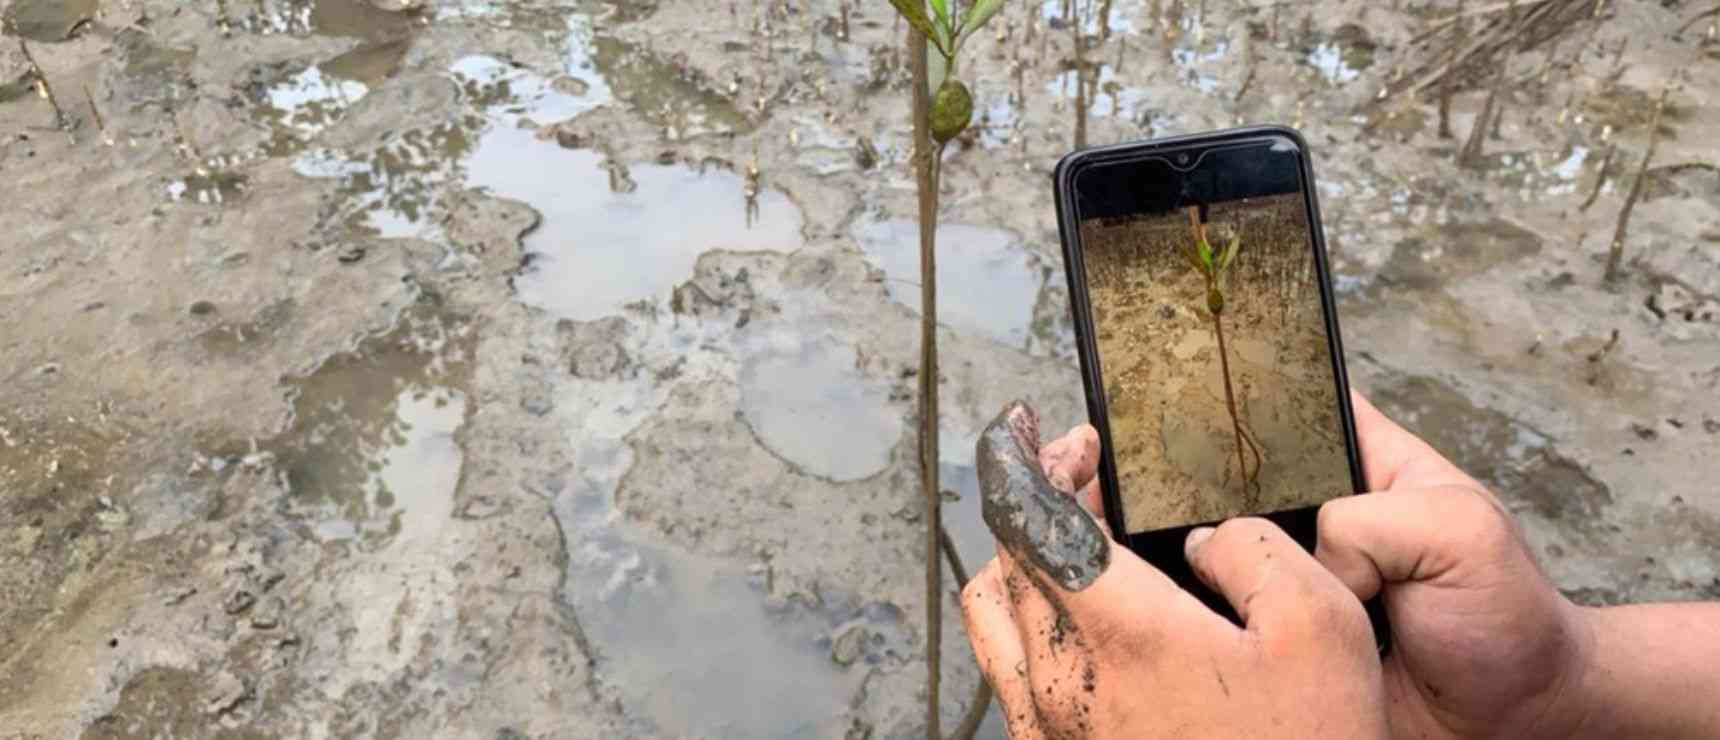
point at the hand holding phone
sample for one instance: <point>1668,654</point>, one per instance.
<point>1208,339</point>
<point>1128,653</point>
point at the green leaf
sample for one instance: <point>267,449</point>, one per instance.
<point>978,16</point>
<point>1229,253</point>
<point>1205,254</point>
<point>914,12</point>
<point>942,9</point>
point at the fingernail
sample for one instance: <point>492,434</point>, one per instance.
<point>1196,538</point>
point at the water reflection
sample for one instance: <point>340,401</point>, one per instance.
<point>987,280</point>
<point>370,453</point>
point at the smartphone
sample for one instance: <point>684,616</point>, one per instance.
<point>1208,339</point>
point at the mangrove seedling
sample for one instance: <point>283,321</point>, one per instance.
<point>943,109</point>
<point>1213,265</point>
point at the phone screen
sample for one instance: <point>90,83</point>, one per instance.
<point>1211,322</point>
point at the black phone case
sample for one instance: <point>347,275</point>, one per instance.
<point>1163,548</point>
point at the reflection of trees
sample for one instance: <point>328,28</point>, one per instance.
<point>400,179</point>
<point>347,415</point>
<point>675,98</point>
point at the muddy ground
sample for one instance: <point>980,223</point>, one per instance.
<point>1165,382</point>
<point>507,369</point>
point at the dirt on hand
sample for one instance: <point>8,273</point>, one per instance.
<point>1036,522</point>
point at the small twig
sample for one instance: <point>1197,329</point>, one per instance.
<point>1522,30</point>
<point>1600,178</point>
<point>1709,13</point>
<point>1446,86</point>
<point>61,120</point>
<point>101,126</point>
<point>1080,88</point>
<point>1616,253</point>
<point>1448,80</point>
<point>1470,156</point>
<point>1461,14</point>
<point>1248,77</point>
<point>1606,349</point>
<point>1247,81</point>
<point>1546,70</point>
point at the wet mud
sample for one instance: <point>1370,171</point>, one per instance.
<point>500,369</point>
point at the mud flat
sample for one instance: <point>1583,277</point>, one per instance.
<point>329,406</point>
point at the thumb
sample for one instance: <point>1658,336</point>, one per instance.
<point>1378,539</point>
<point>1268,578</point>
<point>1392,457</point>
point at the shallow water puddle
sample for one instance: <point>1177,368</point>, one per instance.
<point>1199,58</point>
<point>306,103</point>
<point>207,187</point>
<point>806,402</point>
<point>1342,56</point>
<point>1535,175</point>
<point>47,21</point>
<point>666,97</point>
<point>1122,18</point>
<point>987,280</point>
<point>622,233</point>
<point>370,453</point>
<point>350,18</point>
<point>1109,98</point>
<point>1333,64</point>
<point>695,644</point>
<point>690,643</point>
<point>391,189</point>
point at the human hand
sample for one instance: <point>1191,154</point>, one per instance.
<point>1482,644</point>
<point>1132,655</point>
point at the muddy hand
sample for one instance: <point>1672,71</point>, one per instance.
<point>1081,638</point>
<point>1027,513</point>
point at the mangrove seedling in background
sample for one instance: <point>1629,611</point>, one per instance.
<point>943,107</point>
<point>1213,266</point>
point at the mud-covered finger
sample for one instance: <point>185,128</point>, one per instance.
<point>997,647</point>
<point>1135,599</point>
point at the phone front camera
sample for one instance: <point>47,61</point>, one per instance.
<point>1182,159</point>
